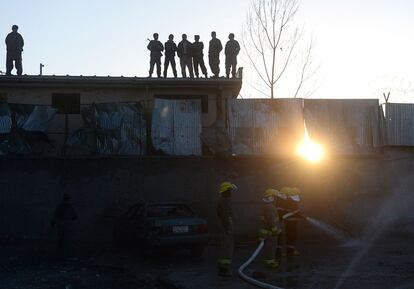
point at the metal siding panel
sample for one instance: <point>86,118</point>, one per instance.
<point>265,126</point>
<point>346,126</point>
<point>176,126</point>
<point>399,124</point>
<point>187,127</point>
<point>162,125</point>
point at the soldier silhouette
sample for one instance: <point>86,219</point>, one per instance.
<point>156,48</point>
<point>184,51</point>
<point>14,43</point>
<point>232,50</point>
<point>170,49</point>
<point>198,56</point>
<point>214,50</point>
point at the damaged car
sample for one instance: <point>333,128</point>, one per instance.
<point>161,225</point>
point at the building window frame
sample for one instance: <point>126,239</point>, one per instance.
<point>66,103</point>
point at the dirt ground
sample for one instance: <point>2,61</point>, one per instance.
<point>389,263</point>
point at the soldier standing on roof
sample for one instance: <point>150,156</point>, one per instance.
<point>156,48</point>
<point>184,51</point>
<point>14,42</point>
<point>198,56</point>
<point>214,50</point>
<point>170,49</point>
<point>232,50</point>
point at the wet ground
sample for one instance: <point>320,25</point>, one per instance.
<point>389,263</point>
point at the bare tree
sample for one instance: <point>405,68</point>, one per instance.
<point>272,42</point>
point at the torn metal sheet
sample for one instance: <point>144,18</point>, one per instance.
<point>265,126</point>
<point>343,126</point>
<point>176,126</point>
<point>23,128</point>
<point>111,129</point>
<point>217,139</point>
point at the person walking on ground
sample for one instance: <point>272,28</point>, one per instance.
<point>198,56</point>
<point>14,43</point>
<point>226,233</point>
<point>214,50</point>
<point>232,50</point>
<point>170,49</point>
<point>288,203</point>
<point>156,48</point>
<point>270,228</point>
<point>63,219</point>
<point>184,51</point>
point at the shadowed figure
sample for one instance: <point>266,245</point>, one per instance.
<point>214,50</point>
<point>170,49</point>
<point>198,56</point>
<point>184,51</point>
<point>156,48</point>
<point>14,43</point>
<point>232,50</point>
<point>63,219</point>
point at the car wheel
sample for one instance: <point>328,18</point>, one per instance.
<point>197,251</point>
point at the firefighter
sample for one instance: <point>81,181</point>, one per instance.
<point>184,51</point>
<point>270,228</point>
<point>198,56</point>
<point>226,233</point>
<point>288,203</point>
<point>170,49</point>
<point>63,219</point>
<point>14,43</point>
<point>156,48</point>
<point>231,51</point>
<point>214,50</point>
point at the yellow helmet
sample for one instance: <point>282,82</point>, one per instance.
<point>225,186</point>
<point>270,196</point>
<point>295,191</point>
<point>286,190</point>
<point>271,193</point>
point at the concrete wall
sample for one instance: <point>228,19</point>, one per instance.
<point>345,192</point>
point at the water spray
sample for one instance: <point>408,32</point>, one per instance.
<point>337,234</point>
<point>253,257</point>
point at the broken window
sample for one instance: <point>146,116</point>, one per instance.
<point>66,103</point>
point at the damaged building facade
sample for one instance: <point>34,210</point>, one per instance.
<point>110,141</point>
<point>111,116</point>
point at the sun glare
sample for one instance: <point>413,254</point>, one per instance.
<point>310,150</point>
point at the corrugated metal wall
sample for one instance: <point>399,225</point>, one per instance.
<point>398,124</point>
<point>251,127</point>
<point>264,126</point>
<point>344,126</point>
<point>176,126</point>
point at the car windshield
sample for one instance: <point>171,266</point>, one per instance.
<point>161,211</point>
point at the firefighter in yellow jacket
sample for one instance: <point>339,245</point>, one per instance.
<point>288,205</point>
<point>226,233</point>
<point>270,228</point>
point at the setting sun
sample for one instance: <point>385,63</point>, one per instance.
<point>311,151</point>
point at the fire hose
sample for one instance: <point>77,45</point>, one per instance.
<point>253,257</point>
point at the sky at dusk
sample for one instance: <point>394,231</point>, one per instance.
<point>363,48</point>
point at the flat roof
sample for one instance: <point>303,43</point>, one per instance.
<point>116,81</point>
